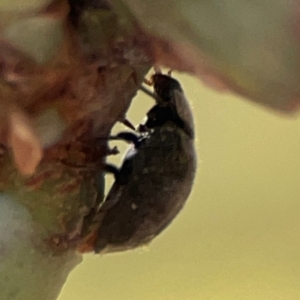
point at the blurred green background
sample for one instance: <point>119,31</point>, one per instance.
<point>238,236</point>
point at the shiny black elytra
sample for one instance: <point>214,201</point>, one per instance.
<point>156,176</point>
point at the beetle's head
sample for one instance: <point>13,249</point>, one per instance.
<point>170,94</point>
<point>164,87</point>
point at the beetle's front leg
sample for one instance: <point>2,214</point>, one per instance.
<point>128,137</point>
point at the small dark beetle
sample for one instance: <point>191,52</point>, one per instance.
<point>157,174</point>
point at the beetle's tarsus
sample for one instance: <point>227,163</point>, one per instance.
<point>112,151</point>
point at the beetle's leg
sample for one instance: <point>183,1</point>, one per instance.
<point>149,93</point>
<point>122,177</point>
<point>112,151</point>
<point>127,137</point>
<point>112,169</point>
<point>128,124</point>
<point>152,95</point>
<point>124,136</point>
<point>142,128</point>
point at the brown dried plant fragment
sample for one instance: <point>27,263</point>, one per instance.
<point>26,147</point>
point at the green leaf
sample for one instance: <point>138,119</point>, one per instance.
<point>38,37</point>
<point>253,46</point>
<point>16,5</point>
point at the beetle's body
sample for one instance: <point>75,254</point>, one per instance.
<point>154,181</point>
